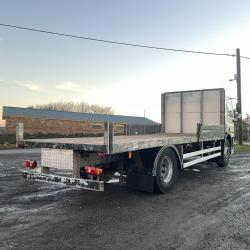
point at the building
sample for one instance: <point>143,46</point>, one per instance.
<point>2,129</point>
<point>48,123</point>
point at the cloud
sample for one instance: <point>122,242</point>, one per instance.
<point>71,86</point>
<point>29,85</point>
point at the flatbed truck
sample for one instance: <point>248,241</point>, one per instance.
<point>196,126</point>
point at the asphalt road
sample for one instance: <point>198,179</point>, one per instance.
<point>209,208</point>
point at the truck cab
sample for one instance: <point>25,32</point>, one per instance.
<point>229,117</point>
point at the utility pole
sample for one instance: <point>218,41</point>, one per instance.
<point>238,107</point>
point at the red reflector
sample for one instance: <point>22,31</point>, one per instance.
<point>93,170</point>
<point>101,155</point>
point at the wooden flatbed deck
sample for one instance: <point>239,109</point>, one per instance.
<point>120,143</point>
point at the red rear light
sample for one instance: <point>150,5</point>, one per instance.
<point>33,164</point>
<point>93,170</point>
<point>30,164</point>
<point>27,163</point>
<point>87,169</point>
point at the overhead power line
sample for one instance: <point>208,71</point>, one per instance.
<point>119,43</point>
<point>115,42</point>
<point>245,57</point>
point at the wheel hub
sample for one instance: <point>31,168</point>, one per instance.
<point>166,169</point>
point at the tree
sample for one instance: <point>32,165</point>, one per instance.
<point>83,107</point>
<point>247,119</point>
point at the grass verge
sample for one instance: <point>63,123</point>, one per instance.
<point>241,148</point>
<point>7,146</point>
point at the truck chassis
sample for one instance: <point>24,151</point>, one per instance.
<point>139,159</point>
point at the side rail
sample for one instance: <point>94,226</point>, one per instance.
<point>200,156</point>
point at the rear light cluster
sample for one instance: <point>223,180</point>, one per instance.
<point>30,164</point>
<point>93,170</point>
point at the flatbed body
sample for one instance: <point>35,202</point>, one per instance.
<point>121,143</point>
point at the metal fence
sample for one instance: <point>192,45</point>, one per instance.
<point>245,131</point>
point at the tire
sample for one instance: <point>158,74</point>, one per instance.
<point>225,154</point>
<point>166,170</point>
<point>108,175</point>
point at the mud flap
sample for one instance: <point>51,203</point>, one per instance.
<point>140,182</point>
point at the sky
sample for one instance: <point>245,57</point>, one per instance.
<point>36,68</point>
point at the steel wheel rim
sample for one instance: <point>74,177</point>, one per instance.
<point>166,169</point>
<point>226,152</point>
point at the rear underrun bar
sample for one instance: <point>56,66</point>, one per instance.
<point>67,181</point>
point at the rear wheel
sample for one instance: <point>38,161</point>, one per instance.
<point>107,178</point>
<point>166,170</point>
<point>225,154</point>
<point>108,174</point>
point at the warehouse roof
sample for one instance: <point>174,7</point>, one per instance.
<point>76,116</point>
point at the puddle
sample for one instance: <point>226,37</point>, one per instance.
<point>113,181</point>
<point>192,169</point>
<point>196,170</point>
<point>3,175</point>
<point>13,210</point>
<point>237,170</point>
<point>42,195</point>
<point>9,209</point>
<point>244,177</point>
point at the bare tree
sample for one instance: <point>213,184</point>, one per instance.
<point>83,107</point>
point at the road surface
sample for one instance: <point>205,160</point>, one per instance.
<point>209,208</point>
